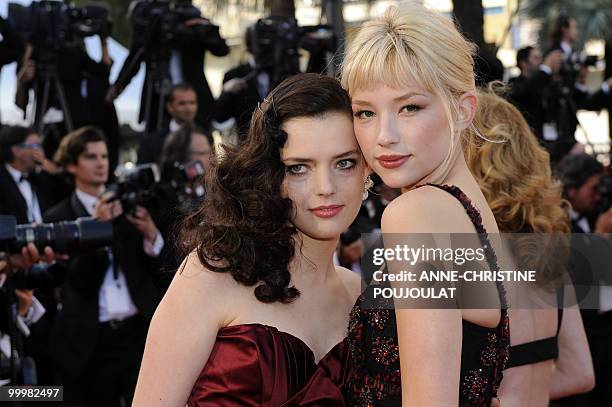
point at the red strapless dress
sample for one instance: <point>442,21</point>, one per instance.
<point>258,365</point>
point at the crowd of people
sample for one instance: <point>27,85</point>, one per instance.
<point>244,284</point>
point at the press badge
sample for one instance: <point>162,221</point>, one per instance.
<point>549,132</point>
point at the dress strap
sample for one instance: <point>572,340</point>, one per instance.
<point>483,236</point>
<point>470,209</point>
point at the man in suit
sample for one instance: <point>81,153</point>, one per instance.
<point>26,181</point>
<point>244,87</point>
<point>11,46</point>
<point>580,176</point>
<point>84,82</point>
<point>548,106</point>
<point>243,90</point>
<point>109,295</point>
<point>168,62</point>
<point>182,106</point>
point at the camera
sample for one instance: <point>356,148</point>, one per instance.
<point>62,237</point>
<point>579,60</point>
<point>53,24</point>
<point>140,185</point>
<point>163,21</point>
<point>135,185</point>
<point>275,41</point>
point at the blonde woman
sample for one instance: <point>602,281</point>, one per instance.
<point>549,356</point>
<point>411,80</point>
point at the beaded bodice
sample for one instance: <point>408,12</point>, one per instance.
<point>374,353</point>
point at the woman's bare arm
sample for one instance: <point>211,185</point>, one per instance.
<point>429,339</point>
<point>573,372</point>
<point>182,335</point>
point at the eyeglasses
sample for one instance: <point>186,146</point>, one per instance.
<point>31,146</point>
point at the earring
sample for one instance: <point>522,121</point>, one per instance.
<point>367,185</point>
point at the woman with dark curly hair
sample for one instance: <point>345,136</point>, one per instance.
<point>257,315</point>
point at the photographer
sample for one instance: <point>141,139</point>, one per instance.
<point>11,46</point>
<point>182,106</point>
<point>244,87</point>
<point>273,44</point>
<point>28,180</point>
<point>29,311</point>
<point>581,177</point>
<point>173,51</point>
<point>84,83</point>
<point>108,295</point>
<point>186,145</point>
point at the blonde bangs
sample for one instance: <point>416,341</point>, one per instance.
<point>387,62</point>
<point>411,45</point>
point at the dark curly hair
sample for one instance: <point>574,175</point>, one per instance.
<point>244,224</point>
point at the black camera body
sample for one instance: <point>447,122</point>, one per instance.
<point>275,42</point>
<point>63,237</point>
<point>141,185</point>
<point>163,21</point>
<point>53,24</point>
<point>135,186</point>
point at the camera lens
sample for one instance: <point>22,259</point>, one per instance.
<point>66,236</point>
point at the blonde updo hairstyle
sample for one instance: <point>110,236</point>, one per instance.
<point>412,44</point>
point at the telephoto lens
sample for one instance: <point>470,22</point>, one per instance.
<point>63,237</point>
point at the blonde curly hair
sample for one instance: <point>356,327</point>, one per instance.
<point>513,172</point>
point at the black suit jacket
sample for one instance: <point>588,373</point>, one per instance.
<point>192,44</point>
<point>152,145</point>
<point>74,335</point>
<point>48,190</point>
<point>12,45</point>
<point>542,99</point>
<point>239,105</point>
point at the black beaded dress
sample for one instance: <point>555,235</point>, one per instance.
<point>374,354</point>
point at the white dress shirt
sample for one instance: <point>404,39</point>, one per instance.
<point>174,126</point>
<point>176,68</point>
<point>114,299</point>
<point>33,208</point>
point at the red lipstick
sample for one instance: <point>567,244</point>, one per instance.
<point>328,211</point>
<point>392,160</point>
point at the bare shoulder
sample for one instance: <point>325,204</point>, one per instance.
<point>351,281</point>
<point>425,210</point>
<point>195,290</point>
<point>182,333</point>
